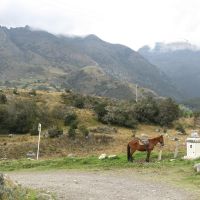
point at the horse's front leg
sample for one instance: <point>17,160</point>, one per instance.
<point>148,155</point>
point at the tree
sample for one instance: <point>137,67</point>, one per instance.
<point>168,112</point>
<point>22,116</point>
<point>146,110</point>
<point>4,117</point>
<point>100,110</point>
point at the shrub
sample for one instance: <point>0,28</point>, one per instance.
<point>4,117</point>
<point>33,92</point>
<point>44,116</point>
<point>146,110</point>
<point>100,110</point>
<point>55,132</point>
<point>70,118</point>
<point>119,115</point>
<point>179,127</point>
<point>84,130</point>
<point>15,91</point>
<point>3,98</point>
<point>185,111</point>
<point>34,130</point>
<point>168,112</point>
<point>72,133</point>
<point>79,103</point>
<point>21,115</point>
<point>74,124</point>
<point>58,112</point>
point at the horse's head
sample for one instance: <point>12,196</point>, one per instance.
<point>161,140</point>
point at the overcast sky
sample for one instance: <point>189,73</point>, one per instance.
<point>130,22</point>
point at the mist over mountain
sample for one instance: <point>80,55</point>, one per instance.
<point>31,58</point>
<point>180,61</point>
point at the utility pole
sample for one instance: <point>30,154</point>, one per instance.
<point>136,93</point>
<point>38,149</point>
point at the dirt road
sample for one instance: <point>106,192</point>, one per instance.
<point>100,185</point>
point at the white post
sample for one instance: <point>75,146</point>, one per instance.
<point>136,93</point>
<point>38,149</point>
<point>176,149</point>
<point>160,154</point>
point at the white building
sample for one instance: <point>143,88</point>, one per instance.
<point>193,146</point>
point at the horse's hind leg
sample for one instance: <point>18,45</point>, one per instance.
<point>148,156</point>
<point>132,151</point>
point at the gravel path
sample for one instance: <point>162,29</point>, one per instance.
<point>100,185</point>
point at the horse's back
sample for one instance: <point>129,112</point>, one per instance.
<point>134,141</point>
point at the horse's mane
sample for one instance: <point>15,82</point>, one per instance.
<point>155,138</point>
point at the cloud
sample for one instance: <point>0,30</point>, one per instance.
<point>130,22</point>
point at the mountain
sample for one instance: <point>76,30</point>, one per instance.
<point>180,61</point>
<point>93,80</point>
<point>37,57</point>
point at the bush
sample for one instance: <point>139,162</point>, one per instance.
<point>146,110</point>
<point>179,127</point>
<point>119,115</point>
<point>22,116</point>
<point>72,133</point>
<point>55,132</point>
<point>74,124</point>
<point>79,103</point>
<point>44,116</point>
<point>34,130</point>
<point>185,112</point>
<point>100,110</point>
<point>33,92</point>
<point>70,118</point>
<point>58,112</point>
<point>4,118</point>
<point>168,112</point>
<point>3,98</point>
<point>15,91</point>
<point>19,116</point>
<point>84,130</point>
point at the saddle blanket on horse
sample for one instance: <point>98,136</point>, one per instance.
<point>143,141</point>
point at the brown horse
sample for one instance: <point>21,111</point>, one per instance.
<point>134,145</point>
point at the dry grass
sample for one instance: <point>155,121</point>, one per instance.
<point>18,146</point>
<point>114,143</point>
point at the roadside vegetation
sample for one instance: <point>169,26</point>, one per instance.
<point>10,190</point>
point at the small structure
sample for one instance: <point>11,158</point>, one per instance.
<point>193,146</point>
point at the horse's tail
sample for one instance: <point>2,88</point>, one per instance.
<point>128,153</point>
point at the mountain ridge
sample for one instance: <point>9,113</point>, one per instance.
<point>181,65</point>
<point>27,54</point>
